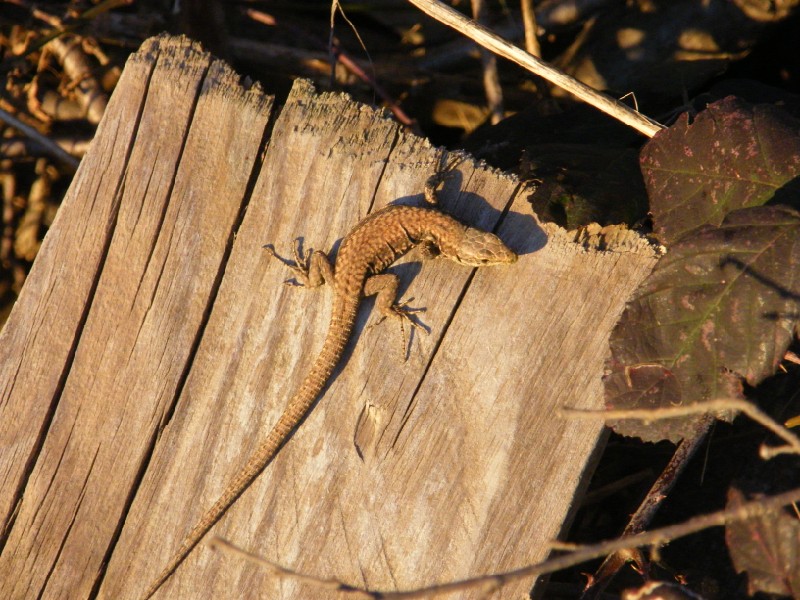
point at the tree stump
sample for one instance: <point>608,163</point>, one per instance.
<point>154,346</point>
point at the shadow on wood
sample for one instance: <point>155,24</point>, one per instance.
<point>154,345</point>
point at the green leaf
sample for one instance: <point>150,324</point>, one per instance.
<point>722,305</point>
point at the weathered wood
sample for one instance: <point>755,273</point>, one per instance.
<point>407,473</point>
<point>142,238</point>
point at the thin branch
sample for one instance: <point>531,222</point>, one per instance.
<point>529,23</point>
<point>656,496</point>
<point>335,49</point>
<point>657,537</point>
<point>49,146</point>
<point>648,415</point>
<point>491,78</point>
<point>498,45</point>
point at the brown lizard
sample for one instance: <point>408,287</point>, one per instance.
<point>370,247</point>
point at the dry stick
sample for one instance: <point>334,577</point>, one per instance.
<point>657,537</point>
<point>498,45</point>
<point>670,474</point>
<point>27,240</point>
<point>491,79</point>
<point>51,147</point>
<point>391,104</point>
<point>655,497</point>
<point>529,23</point>
<point>347,62</point>
<point>648,415</point>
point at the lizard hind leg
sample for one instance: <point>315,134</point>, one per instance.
<point>311,269</point>
<point>384,288</point>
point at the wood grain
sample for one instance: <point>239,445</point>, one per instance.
<point>180,347</point>
<point>160,219</point>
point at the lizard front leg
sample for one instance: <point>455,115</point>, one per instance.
<point>431,190</point>
<point>311,269</point>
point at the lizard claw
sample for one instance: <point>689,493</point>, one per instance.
<point>404,314</point>
<point>300,266</point>
<point>302,261</point>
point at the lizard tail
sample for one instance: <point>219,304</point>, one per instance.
<point>338,333</point>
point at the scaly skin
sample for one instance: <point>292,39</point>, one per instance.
<point>372,245</point>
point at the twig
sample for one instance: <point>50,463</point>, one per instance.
<point>649,415</point>
<point>491,78</point>
<point>657,537</point>
<point>49,146</point>
<point>498,45</point>
<point>217,543</point>
<point>343,58</point>
<point>529,23</point>
<point>655,497</point>
<point>26,238</point>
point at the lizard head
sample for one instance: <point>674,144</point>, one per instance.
<point>477,248</point>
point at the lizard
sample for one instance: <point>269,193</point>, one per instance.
<point>365,252</point>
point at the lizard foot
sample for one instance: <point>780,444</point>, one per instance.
<point>307,267</point>
<point>405,315</point>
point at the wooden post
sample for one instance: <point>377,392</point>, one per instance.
<point>154,346</point>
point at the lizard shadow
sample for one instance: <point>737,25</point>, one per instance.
<point>519,231</point>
